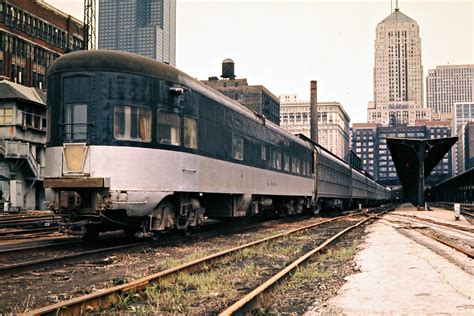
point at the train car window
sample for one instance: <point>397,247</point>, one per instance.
<point>169,127</point>
<point>293,164</point>
<point>298,167</point>
<point>286,162</point>
<point>273,158</point>
<point>278,160</point>
<point>75,121</point>
<point>237,147</point>
<point>132,123</point>
<point>190,132</point>
<point>263,153</point>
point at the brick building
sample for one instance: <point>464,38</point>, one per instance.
<point>32,35</point>
<point>255,97</point>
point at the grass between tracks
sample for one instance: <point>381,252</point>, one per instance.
<point>312,284</point>
<point>212,289</point>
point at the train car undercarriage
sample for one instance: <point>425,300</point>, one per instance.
<point>89,211</point>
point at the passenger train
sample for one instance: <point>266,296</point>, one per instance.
<point>138,145</point>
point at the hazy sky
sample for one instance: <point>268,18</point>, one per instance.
<point>285,44</point>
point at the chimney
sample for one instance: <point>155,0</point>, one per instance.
<point>313,110</point>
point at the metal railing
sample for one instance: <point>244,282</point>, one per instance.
<point>22,150</point>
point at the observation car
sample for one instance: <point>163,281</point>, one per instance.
<point>138,145</point>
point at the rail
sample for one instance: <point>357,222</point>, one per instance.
<point>105,297</point>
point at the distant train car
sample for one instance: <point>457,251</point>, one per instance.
<point>141,146</point>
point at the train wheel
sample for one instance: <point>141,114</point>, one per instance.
<point>130,232</point>
<point>317,208</point>
<point>188,231</point>
<point>90,233</point>
<point>155,235</point>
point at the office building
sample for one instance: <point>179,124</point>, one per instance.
<point>333,129</point>
<point>145,27</point>
<point>369,143</point>
<point>32,35</point>
<point>440,129</point>
<point>398,73</point>
<point>465,147</point>
<point>447,85</point>
<point>288,98</point>
<point>295,115</point>
<point>463,112</point>
<point>364,140</point>
<point>333,123</point>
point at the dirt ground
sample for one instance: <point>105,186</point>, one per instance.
<point>34,289</point>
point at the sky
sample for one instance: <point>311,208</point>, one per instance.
<point>285,44</point>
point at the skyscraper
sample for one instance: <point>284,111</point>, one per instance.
<point>447,85</point>
<point>145,27</point>
<point>398,73</point>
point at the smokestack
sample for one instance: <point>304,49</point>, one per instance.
<point>313,109</point>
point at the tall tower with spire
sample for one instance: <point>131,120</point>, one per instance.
<point>398,72</point>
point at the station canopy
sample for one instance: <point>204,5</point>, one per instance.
<point>408,153</point>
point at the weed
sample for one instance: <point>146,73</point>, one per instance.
<point>122,301</point>
<point>25,306</point>
<point>170,262</point>
<point>167,297</point>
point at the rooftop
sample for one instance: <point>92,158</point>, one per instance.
<point>397,17</point>
<point>11,90</point>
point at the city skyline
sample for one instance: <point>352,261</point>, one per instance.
<point>333,42</point>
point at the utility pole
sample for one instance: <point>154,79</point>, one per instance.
<point>89,24</point>
<point>313,109</point>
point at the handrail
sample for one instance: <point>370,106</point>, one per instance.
<point>30,158</point>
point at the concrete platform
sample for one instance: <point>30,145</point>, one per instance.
<point>401,275</point>
<point>436,214</point>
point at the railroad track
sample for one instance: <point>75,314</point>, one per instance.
<point>35,220</point>
<point>469,215</point>
<point>26,233</point>
<point>55,260</point>
<point>448,243</point>
<point>447,240</point>
<point>43,244</point>
<point>7,216</point>
<point>466,209</point>
<point>104,298</point>
<point>428,220</point>
<point>27,226</point>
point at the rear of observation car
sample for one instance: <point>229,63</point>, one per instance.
<point>100,159</point>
